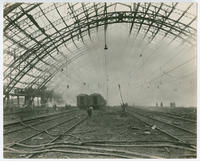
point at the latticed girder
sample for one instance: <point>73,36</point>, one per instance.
<point>53,33</point>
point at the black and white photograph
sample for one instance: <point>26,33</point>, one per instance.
<point>99,80</point>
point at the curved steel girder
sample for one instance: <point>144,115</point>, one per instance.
<point>30,9</point>
<point>158,22</point>
<point>48,78</point>
<point>89,8</point>
<point>113,18</point>
<point>38,33</point>
<point>9,9</point>
<point>55,72</point>
<point>51,76</point>
<point>35,15</point>
<point>78,10</point>
<point>63,63</point>
<point>152,21</point>
<point>49,26</point>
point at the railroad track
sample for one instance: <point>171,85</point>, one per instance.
<point>47,132</point>
<point>33,151</point>
<point>57,143</point>
<point>39,128</point>
<point>177,117</point>
<point>177,122</point>
<point>174,132</point>
<point>33,122</point>
<point>171,115</point>
<point>101,148</point>
<point>33,119</point>
<point>181,117</point>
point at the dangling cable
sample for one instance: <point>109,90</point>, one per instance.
<point>105,29</point>
<point>105,26</point>
<point>105,48</point>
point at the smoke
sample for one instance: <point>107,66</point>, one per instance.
<point>133,64</point>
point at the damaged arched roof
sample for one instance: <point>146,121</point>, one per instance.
<point>40,38</point>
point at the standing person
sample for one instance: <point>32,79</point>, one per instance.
<point>55,107</point>
<point>89,111</point>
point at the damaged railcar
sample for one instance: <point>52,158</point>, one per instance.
<point>95,100</point>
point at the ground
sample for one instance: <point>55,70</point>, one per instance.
<point>108,131</point>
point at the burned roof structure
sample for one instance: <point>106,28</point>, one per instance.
<point>41,38</point>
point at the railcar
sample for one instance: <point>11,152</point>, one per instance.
<point>96,100</point>
<point>82,101</point>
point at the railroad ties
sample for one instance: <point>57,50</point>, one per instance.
<point>71,134</point>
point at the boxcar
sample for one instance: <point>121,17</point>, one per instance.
<point>96,100</point>
<point>82,101</point>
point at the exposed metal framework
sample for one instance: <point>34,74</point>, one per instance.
<point>34,40</point>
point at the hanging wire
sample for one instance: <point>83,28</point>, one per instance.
<point>167,72</point>
<point>105,27</point>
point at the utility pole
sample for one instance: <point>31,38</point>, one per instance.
<point>123,104</point>
<point>120,94</point>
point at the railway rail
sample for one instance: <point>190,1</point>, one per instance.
<point>174,132</point>
<point>47,130</point>
<point>173,121</point>
<point>76,146</point>
<point>23,124</point>
<point>170,115</point>
<point>177,117</point>
<point>33,119</point>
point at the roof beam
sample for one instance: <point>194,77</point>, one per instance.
<point>77,21</point>
<point>179,19</point>
<point>96,12</point>
<point>15,20</point>
<point>16,42</point>
<point>41,29</point>
<point>153,21</point>
<point>54,29</point>
<point>163,21</point>
<point>87,17</point>
<point>149,4</point>
<point>10,8</point>
<point>65,24</point>
<point>100,20</point>
<point>182,30</point>
<point>133,21</point>
<point>113,18</point>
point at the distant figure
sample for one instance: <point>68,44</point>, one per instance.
<point>161,104</point>
<point>124,105</point>
<point>156,104</point>
<point>89,111</point>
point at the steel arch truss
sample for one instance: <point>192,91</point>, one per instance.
<point>34,52</point>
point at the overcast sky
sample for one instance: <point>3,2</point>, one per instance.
<point>147,73</point>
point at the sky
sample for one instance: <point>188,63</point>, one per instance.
<point>146,73</point>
